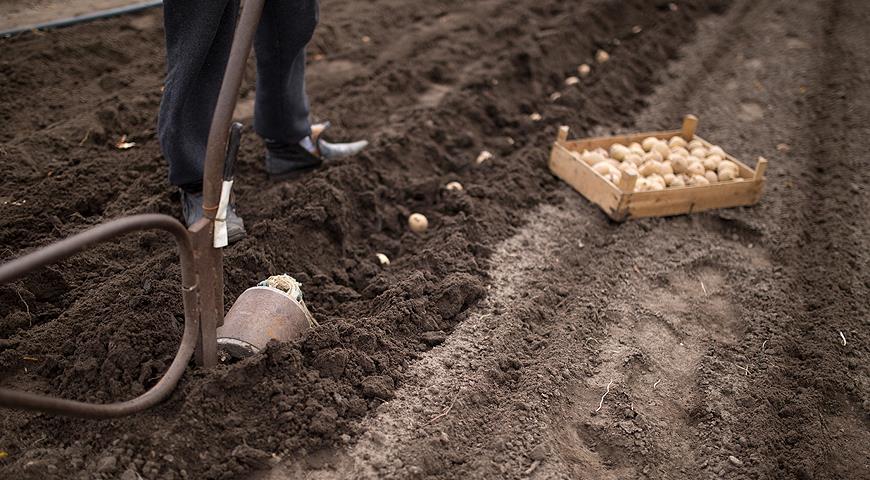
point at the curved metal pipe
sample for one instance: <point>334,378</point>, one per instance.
<point>75,244</point>
<point>69,21</point>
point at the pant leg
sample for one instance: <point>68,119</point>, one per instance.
<point>199,34</point>
<point>281,109</point>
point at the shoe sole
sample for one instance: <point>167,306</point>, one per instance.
<point>292,174</point>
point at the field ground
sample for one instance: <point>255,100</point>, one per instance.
<point>730,344</point>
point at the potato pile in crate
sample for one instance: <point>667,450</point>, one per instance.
<point>661,164</point>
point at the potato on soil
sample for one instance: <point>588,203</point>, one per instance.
<point>418,222</point>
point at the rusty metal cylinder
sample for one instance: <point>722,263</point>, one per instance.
<point>259,315</point>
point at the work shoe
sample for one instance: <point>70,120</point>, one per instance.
<point>285,160</point>
<point>191,208</point>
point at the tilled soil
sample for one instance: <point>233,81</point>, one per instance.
<point>730,344</point>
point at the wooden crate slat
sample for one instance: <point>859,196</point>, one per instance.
<point>579,175</point>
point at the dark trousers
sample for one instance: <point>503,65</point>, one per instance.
<point>198,38</point>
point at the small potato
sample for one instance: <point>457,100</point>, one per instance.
<point>699,152</point>
<point>619,151</point>
<point>679,151</point>
<point>662,148</point>
<point>648,143</point>
<point>694,144</point>
<point>698,180</point>
<point>679,163</point>
<point>591,158</point>
<point>711,176</point>
<point>641,185</point>
<point>633,158</point>
<point>656,182</point>
<point>628,167</point>
<point>669,178</point>
<point>418,222</point>
<point>696,169</point>
<point>455,186</point>
<point>602,168</point>
<point>602,151</point>
<point>613,162</point>
<point>727,165</point>
<point>650,167</point>
<point>678,181</point>
<point>636,148</point>
<point>652,157</point>
<point>667,168</point>
<point>677,141</point>
<point>728,174</point>
<point>716,150</point>
<point>712,162</point>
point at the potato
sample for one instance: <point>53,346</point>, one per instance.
<point>699,152</point>
<point>613,162</point>
<point>418,222</point>
<point>662,148</point>
<point>677,141</point>
<point>650,167</point>
<point>679,151</point>
<point>591,158</point>
<point>383,259</point>
<point>698,180</point>
<point>602,151</point>
<point>711,176</point>
<point>728,174</point>
<point>679,163</point>
<point>455,186</point>
<point>667,167</point>
<point>656,182</point>
<point>717,150</point>
<point>636,148</point>
<point>696,168</point>
<point>695,144</point>
<point>678,181</point>
<point>669,178</point>
<point>628,167</point>
<point>648,143</point>
<point>619,151</point>
<point>652,157</point>
<point>602,168</point>
<point>712,162</point>
<point>727,165</point>
<point>641,185</point>
<point>633,158</point>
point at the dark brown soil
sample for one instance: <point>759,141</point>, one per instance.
<point>437,83</point>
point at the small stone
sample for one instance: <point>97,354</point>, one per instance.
<point>433,338</point>
<point>129,474</point>
<point>538,453</point>
<point>107,464</point>
<point>735,461</point>
<point>378,386</point>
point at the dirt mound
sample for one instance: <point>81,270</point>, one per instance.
<point>437,83</point>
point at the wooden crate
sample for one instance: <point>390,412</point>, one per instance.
<point>621,202</point>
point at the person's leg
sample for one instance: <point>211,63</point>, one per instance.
<point>199,34</point>
<point>281,110</point>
